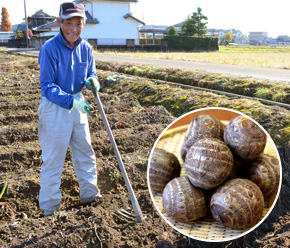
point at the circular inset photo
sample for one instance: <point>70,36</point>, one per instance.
<point>214,174</point>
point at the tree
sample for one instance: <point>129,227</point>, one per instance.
<point>172,31</point>
<point>6,25</point>
<point>30,34</point>
<point>19,34</point>
<point>229,37</point>
<point>195,25</point>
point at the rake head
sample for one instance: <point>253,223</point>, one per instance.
<point>128,214</point>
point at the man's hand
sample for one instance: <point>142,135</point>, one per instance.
<point>93,83</point>
<point>83,107</point>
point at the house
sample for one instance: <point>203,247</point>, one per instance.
<point>109,22</point>
<point>160,30</point>
<point>238,36</point>
<point>258,38</point>
<point>5,36</point>
<point>217,33</point>
<point>283,40</point>
<point>156,31</point>
<point>116,24</point>
<point>37,19</point>
<point>177,27</point>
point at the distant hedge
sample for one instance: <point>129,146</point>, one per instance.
<point>192,43</point>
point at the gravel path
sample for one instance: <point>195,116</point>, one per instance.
<point>234,70</point>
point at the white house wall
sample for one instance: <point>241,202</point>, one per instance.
<point>5,36</point>
<point>113,28</point>
<point>51,33</point>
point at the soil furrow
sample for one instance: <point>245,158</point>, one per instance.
<point>18,133</point>
<point>24,118</point>
<point>20,92</point>
<point>126,140</point>
<point>20,155</point>
<point>18,105</point>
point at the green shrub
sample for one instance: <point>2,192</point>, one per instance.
<point>264,93</point>
<point>279,96</point>
<point>192,43</point>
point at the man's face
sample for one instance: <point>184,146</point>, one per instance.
<point>71,29</point>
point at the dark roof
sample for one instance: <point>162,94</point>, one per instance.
<point>132,17</point>
<point>162,29</point>
<point>158,31</point>
<point>154,29</point>
<point>133,1</point>
<point>47,26</point>
<point>178,24</point>
<point>90,19</point>
<point>37,19</point>
<point>41,14</point>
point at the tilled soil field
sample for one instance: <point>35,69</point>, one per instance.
<point>136,121</point>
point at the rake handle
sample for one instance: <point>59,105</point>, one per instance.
<point>134,201</point>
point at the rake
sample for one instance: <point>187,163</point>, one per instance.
<point>135,204</point>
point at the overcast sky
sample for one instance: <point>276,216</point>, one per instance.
<point>247,15</point>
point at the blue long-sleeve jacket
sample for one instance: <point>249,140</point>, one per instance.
<point>64,70</point>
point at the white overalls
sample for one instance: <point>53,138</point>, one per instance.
<point>59,128</point>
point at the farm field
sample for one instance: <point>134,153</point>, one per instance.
<point>268,57</point>
<point>255,88</point>
<point>138,109</point>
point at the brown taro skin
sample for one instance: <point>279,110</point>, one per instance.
<point>237,204</point>
<point>208,163</point>
<point>265,172</point>
<point>164,166</point>
<point>184,150</point>
<point>184,202</point>
<point>246,140</point>
<point>202,126</point>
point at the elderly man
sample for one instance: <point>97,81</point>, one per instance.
<point>66,65</point>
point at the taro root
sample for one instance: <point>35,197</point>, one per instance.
<point>208,163</point>
<point>239,203</point>
<point>246,140</point>
<point>184,151</point>
<point>265,172</point>
<point>202,126</point>
<point>164,166</point>
<point>184,202</point>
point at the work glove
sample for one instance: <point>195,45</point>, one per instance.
<point>83,107</point>
<point>93,83</point>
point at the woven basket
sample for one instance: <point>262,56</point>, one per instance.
<point>205,229</point>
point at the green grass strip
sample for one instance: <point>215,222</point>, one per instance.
<point>3,189</point>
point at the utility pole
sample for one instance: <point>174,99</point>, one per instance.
<point>26,25</point>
